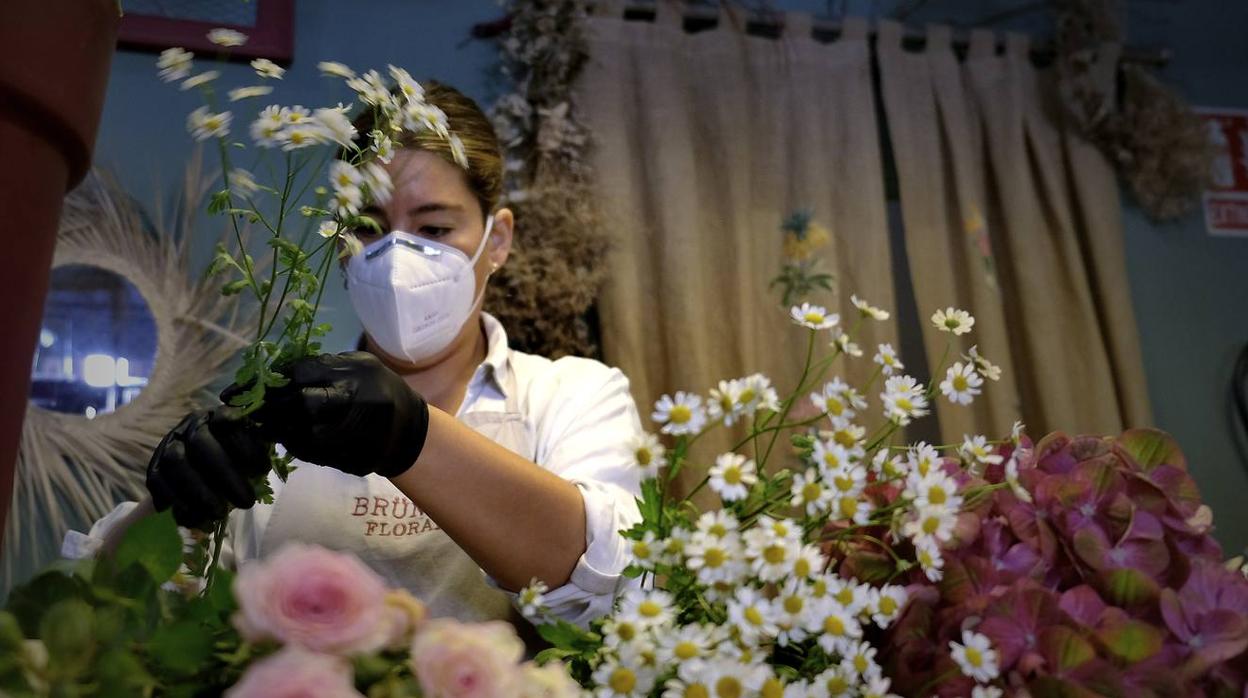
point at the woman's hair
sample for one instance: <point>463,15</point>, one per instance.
<point>469,122</point>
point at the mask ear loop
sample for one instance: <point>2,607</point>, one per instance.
<point>489,227</point>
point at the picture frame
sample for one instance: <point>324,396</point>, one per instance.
<point>152,25</point>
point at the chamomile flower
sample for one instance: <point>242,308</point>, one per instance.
<point>829,455</point>
<point>241,93</point>
<point>672,548</point>
<point>799,688</point>
<point>303,135</point>
<point>685,644</point>
<point>849,435</point>
<point>886,357</point>
<point>1011,478</point>
<point>757,393</point>
<point>853,508</point>
<point>961,383</point>
<point>621,631</point>
<point>725,402</point>
<point>335,69</point>
<point>715,559</point>
<point>836,626</point>
<point>458,153</point>
<point>886,604</point>
<point>378,182</point>
<point>922,458</point>
<point>977,449</point>
<point>732,476</point>
<point>383,146</point>
<point>975,656</point>
<point>890,466</point>
<point>267,69</point>
<point>266,128</point>
<point>228,38</point>
<point>337,127</point>
<point>531,600</point>
<point>959,322</point>
<point>407,85</point>
<point>834,682</point>
<point>729,678</point>
<point>751,616</point>
<point>204,124</point>
<point>815,317</point>
<point>327,229</point>
<point>930,559</point>
<point>645,552</point>
<point>867,309</point>
<point>859,661</point>
<point>618,677</point>
<point>648,453</point>
<point>847,346</point>
<point>847,479</point>
<point>241,182</point>
<point>934,489</point>
<point>681,687</point>
<point>903,399</point>
<point>296,115</point>
<point>792,608</point>
<point>808,562</point>
<point>770,556</point>
<point>933,522</point>
<point>422,116</point>
<point>838,399</point>
<point>1016,432</point>
<point>344,174</point>
<point>648,609</point>
<point>682,414</point>
<point>985,367</point>
<point>347,200</point>
<point>202,79</point>
<point>718,523</point>
<point>174,64</point>
<point>851,595</point>
<point>809,493</point>
<point>877,687</point>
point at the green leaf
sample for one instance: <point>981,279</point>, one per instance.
<point>152,542</point>
<point>567,636</point>
<point>121,674</point>
<point>221,594</point>
<point>29,601</point>
<point>68,632</point>
<point>551,654</point>
<point>235,287</point>
<point>1132,640</point>
<point>182,647</point>
<point>1151,447</point>
<point>219,201</point>
<point>11,637</point>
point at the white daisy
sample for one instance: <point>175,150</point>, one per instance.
<point>847,479</point>
<point>725,402</point>
<point>886,357</point>
<point>672,548</point>
<point>730,678</point>
<point>620,631</point>
<point>867,309</point>
<point>645,552</point>
<point>989,370</point>
<point>848,435</point>
<point>648,608</point>
<point>851,595</point>
<point>682,414</point>
<point>406,83</point>
<point>770,556</point>
<point>458,153</point>
<point>344,174</point>
<point>977,449</point>
<point>986,692</point>
<point>877,687</point>
<point>903,399</point>
<point>953,320</point>
<point>336,125</point>
<point>718,523</point>
<point>227,37</point>
<point>204,124</point>
<point>715,559</point>
<point>758,393</point>
<point>838,399</point>
<point>241,182</point>
<point>1016,432</point>
<point>793,610</point>
<point>422,116</point>
<point>933,522</point>
<point>383,146</point>
<point>886,604</point>
<point>809,493</point>
<point>815,317</point>
<point>240,93</point>
<point>846,346</point>
<point>347,200</point>
<point>174,64</point>
<point>833,683</point>
<point>531,600</point>
<point>685,644</point>
<point>927,553</point>
<point>809,562</point>
<point>648,453</point>
<point>859,661</point>
<point>327,229</point>
<point>732,476</point>
<point>975,656</point>
<point>266,128</point>
<point>378,183</point>
<point>202,79</point>
<point>829,455</point>
<point>621,678</point>
<point>922,458</point>
<point>751,616</point>
<point>335,69</point>
<point>837,627</point>
<point>267,69</point>
<point>295,137</point>
<point>961,383</point>
<point>1011,478</point>
<point>934,489</point>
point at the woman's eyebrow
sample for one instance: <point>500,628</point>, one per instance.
<point>433,207</point>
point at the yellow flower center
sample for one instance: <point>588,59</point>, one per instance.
<point>649,609</point>
<point>725,403</point>
<point>212,123</point>
<point>888,605</point>
<point>959,383</point>
<point>930,525</point>
<point>732,475</point>
<point>843,483</point>
<point>814,318</point>
<point>728,687</point>
<point>833,626</point>
<point>904,404</point>
<point>924,467</point>
<point>753,615</point>
<point>626,631</point>
<point>773,688</point>
<point>714,557</point>
<point>774,554</point>
<point>681,414</point>
<point>831,459</point>
<point>685,650</point>
<point>837,685</point>
<point>845,596</point>
<point>297,137</point>
<point>974,657</point>
<point>696,690</point>
<point>811,492</point>
<point>844,438</point>
<point>802,567</point>
<point>819,589</point>
<point>849,507</point>
<point>793,604</point>
<point>834,406</point>
<point>718,530</point>
<point>622,680</point>
<point>644,456</point>
<point>861,664</point>
<point>641,550</point>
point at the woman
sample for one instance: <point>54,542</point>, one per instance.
<point>438,453</point>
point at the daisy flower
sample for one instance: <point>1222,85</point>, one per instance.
<point>859,661</point>
<point>833,683</point>
<point>929,557</point>
<point>648,453</point>
<point>458,153</point>
<point>809,562</point>
<point>241,182</point>
<point>989,370</point>
<point>903,399</point>
<point>204,124</point>
<point>174,64</point>
<point>347,200</point>
<point>837,627</point>
<point>886,357</point>
<point>886,604</point>
<point>267,69</point>
<point>684,645</point>
<point>680,687</point>
<point>986,692</point>
<point>724,402</point>
<point>619,631</point>
<point>837,399</point>
<point>732,476</point>
<point>1016,432</point>
<point>961,383</point>
<point>718,523</point>
<point>770,556</point>
<point>327,229</point>
<point>294,137</point>
<point>621,678</point>
<point>934,489</point>
<point>406,83</point>
<point>531,600</point>
<point>336,125</point>
<point>383,146</point>
<point>731,678</point>
<point>202,79</point>
<point>227,37</point>
<point>344,174</point>
<point>751,616</point>
<point>647,608</point>
<point>959,322</point>
<point>931,523</point>
<point>335,69</point>
<point>240,93</point>
<point>266,128</point>
<point>867,309</point>
<point>645,552</point>
<point>815,317</point>
<point>851,595</point>
<point>759,394</point>
<point>714,559</point>
<point>843,343</point>
<point>1011,478</point>
<point>877,687</point>
<point>976,448</point>
<point>847,479</point>
<point>922,458</point>
<point>682,414</point>
<point>792,609</point>
<point>672,548</point>
<point>975,656</point>
<point>829,455</point>
<point>809,493</point>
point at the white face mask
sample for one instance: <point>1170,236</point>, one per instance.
<point>413,295</point>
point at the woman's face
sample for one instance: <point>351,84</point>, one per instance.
<point>432,199</point>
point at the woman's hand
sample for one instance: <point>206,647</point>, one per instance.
<point>346,411</point>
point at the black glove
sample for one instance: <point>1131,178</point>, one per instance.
<point>204,463</point>
<point>346,411</point>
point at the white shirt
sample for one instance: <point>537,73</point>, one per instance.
<point>573,416</point>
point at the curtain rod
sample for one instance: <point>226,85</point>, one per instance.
<point>1154,57</point>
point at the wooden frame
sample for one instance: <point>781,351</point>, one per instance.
<point>273,37</point>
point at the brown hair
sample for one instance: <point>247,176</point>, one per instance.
<point>467,120</point>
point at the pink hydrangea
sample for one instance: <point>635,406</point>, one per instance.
<point>312,597</point>
<point>455,660</point>
<point>294,672</point>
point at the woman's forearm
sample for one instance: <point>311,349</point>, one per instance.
<point>516,519</point>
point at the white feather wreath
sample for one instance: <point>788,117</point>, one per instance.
<point>72,470</point>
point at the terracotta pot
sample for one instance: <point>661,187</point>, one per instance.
<point>54,62</point>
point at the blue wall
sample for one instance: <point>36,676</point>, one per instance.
<point>1189,289</point>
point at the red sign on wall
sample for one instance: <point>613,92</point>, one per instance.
<point>1226,202</point>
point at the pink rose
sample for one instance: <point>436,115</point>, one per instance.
<point>455,660</point>
<point>294,672</point>
<point>312,597</point>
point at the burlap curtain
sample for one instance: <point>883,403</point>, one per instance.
<point>705,142</point>
<point>1017,219</point>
